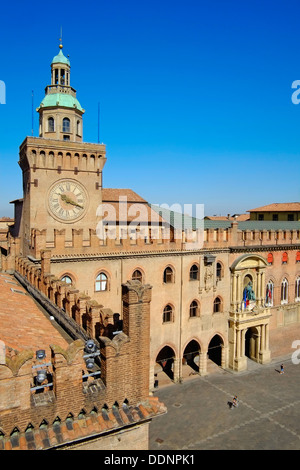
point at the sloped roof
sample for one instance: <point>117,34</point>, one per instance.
<point>278,207</point>
<point>89,426</point>
<point>127,206</point>
<point>18,308</point>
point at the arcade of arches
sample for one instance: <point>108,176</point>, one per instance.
<point>248,329</point>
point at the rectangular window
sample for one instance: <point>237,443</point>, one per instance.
<point>261,217</point>
<point>290,217</point>
<point>275,217</point>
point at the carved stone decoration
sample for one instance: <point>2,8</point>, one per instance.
<point>138,288</point>
<point>208,277</point>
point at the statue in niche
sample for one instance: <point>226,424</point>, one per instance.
<point>208,277</point>
<point>248,294</point>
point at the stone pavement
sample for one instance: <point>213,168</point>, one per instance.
<point>199,418</point>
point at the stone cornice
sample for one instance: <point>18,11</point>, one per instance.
<point>134,254</point>
<point>255,248</point>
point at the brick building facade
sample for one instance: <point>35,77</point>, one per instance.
<point>223,291</point>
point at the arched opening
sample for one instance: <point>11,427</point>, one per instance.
<point>50,124</point>
<point>165,359</point>
<point>251,343</point>
<point>168,277</point>
<point>191,355</point>
<point>215,350</point>
<point>137,276</point>
<point>66,125</point>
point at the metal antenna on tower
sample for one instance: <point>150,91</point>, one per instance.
<point>98,123</point>
<point>32,114</point>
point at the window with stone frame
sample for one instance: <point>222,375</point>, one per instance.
<point>217,305</point>
<point>194,272</point>
<point>297,289</point>
<point>194,309</point>
<point>50,124</point>
<point>168,277</point>
<point>137,276</point>
<point>168,315</point>
<point>219,271</point>
<point>66,124</point>
<point>269,294</point>
<point>284,291</point>
<point>101,283</point>
<point>67,279</point>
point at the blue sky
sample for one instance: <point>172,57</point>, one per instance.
<point>195,96</point>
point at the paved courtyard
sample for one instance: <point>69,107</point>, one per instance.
<point>199,418</point>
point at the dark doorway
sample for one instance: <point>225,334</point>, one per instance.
<point>165,359</point>
<point>250,343</point>
<point>215,350</point>
<point>191,355</point>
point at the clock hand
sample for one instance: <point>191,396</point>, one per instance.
<point>67,200</point>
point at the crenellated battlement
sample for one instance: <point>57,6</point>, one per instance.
<point>69,388</point>
<point>39,154</point>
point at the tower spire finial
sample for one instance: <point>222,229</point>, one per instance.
<point>60,39</point>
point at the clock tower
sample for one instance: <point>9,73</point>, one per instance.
<point>62,175</point>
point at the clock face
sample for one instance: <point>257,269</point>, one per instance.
<point>67,200</point>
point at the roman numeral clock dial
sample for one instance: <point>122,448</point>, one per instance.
<point>67,201</point>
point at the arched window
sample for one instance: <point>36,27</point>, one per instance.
<point>67,279</point>
<point>297,290</point>
<point>137,276</point>
<point>50,124</point>
<point>298,257</point>
<point>168,314</point>
<point>284,258</point>
<point>101,283</point>
<point>219,271</point>
<point>168,275</point>
<point>270,258</point>
<point>66,125</point>
<point>217,305</point>
<point>284,291</point>
<point>194,309</point>
<point>269,294</point>
<point>194,273</point>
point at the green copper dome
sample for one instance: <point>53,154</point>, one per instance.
<point>61,99</point>
<point>60,59</point>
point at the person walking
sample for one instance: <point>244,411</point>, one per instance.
<point>235,402</point>
<point>281,369</point>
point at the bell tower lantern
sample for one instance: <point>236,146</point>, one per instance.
<point>60,111</point>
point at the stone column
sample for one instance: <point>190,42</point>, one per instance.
<point>177,375</point>
<point>202,363</point>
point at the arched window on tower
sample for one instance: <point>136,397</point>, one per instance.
<point>284,291</point>
<point>62,77</point>
<point>50,124</point>
<point>78,128</point>
<point>66,125</point>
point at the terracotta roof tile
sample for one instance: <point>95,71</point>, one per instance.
<point>17,307</point>
<point>72,430</point>
<point>278,207</point>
